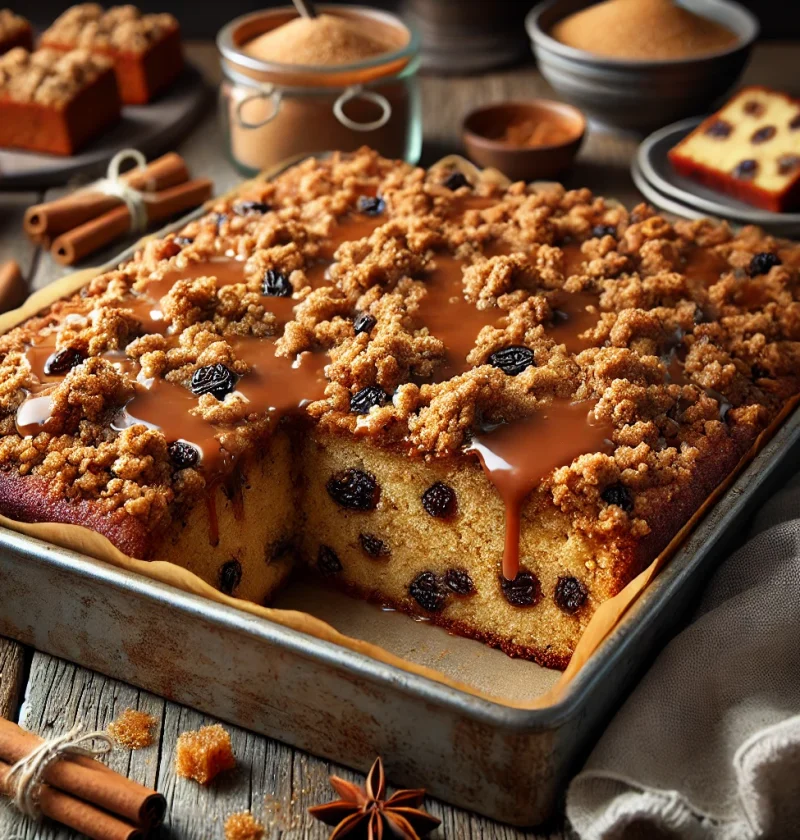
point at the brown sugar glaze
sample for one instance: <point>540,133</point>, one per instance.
<point>274,385</point>
<point>516,456</point>
<point>450,317</point>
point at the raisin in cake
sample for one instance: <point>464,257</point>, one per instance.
<point>146,49</point>
<point>55,102</point>
<point>15,31</point>
<point>749,149</point>
<point>486,406</point>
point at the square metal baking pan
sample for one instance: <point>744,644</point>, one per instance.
<point>504,762</point>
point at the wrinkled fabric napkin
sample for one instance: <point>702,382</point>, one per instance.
<point>708,745</point>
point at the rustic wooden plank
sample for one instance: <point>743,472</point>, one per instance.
<point>59,695</point>
<point>13,673</point>
<point>276,782</point>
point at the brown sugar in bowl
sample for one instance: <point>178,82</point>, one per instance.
<point>637,94</point>
<point>535,139</point>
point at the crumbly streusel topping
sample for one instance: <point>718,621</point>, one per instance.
<point>122,28</point>
<point>48,77</point>
<point>11,24</point>
<point>685,336</point>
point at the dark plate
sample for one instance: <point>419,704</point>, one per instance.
<point>663,185</point>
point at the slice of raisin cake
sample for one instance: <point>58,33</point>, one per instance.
<point>487,406</point>
<point>749,149</point>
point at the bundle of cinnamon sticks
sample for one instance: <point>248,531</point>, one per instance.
<point>77,225</point>
<point>84,794</point>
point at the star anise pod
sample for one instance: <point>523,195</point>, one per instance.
<point>363,814</point>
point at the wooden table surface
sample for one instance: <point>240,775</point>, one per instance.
<point>275,781</point>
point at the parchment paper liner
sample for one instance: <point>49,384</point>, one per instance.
<point>86,541</point>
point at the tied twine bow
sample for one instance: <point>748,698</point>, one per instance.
<point>132,198</point>
<point>25,778</point>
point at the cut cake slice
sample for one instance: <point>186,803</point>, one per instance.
<point>749,149</point>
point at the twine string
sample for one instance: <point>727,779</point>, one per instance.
<point>25,778</point>
<point>113,184</point>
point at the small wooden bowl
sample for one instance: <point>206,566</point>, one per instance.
<point>483,130</point>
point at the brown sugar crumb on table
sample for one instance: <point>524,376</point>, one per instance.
<point>204,754</point>
<point>145,48</point>
<point>243,826</point>
<point>488,405</point>
<point>55,102</point>
<point>133,729</point>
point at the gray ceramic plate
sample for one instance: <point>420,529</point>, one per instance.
<point>151,128</point>
<point>781,225</point>
<point>651,166</point>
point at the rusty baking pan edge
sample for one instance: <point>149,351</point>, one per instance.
<point>772,465</point>
<point>504,762</point>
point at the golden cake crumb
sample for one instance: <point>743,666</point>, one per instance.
<point>203,754</point>
<point>243,826</point>
<point>133,729</point>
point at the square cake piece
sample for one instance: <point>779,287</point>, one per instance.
<point>485,405</point>
<point>15,31</point>
<point>146,49</point>
<point>55,102</point>
<point>749,149</point>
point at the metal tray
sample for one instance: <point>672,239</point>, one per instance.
<point>504,762</point>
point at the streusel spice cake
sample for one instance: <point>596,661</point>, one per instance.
<point>487,406</point>
<point>145,48</point>
<point>55,102</point>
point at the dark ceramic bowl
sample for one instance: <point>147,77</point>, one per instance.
<point>483,129</point>
<point>641,95</point>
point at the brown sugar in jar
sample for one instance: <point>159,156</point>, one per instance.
<point>360,89</point>
<point>646,30</point>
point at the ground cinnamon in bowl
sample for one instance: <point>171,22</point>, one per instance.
<point>531,132</point>
<point>646,30</point>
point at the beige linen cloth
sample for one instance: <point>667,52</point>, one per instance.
<point>708,745</point>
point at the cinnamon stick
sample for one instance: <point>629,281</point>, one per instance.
<point>48,220</point>
<point>81,816</point>
<point>75,244</point>
<point>13,290</point>
<point>88,779</point>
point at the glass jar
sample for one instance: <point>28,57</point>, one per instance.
<point>274,112</point>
